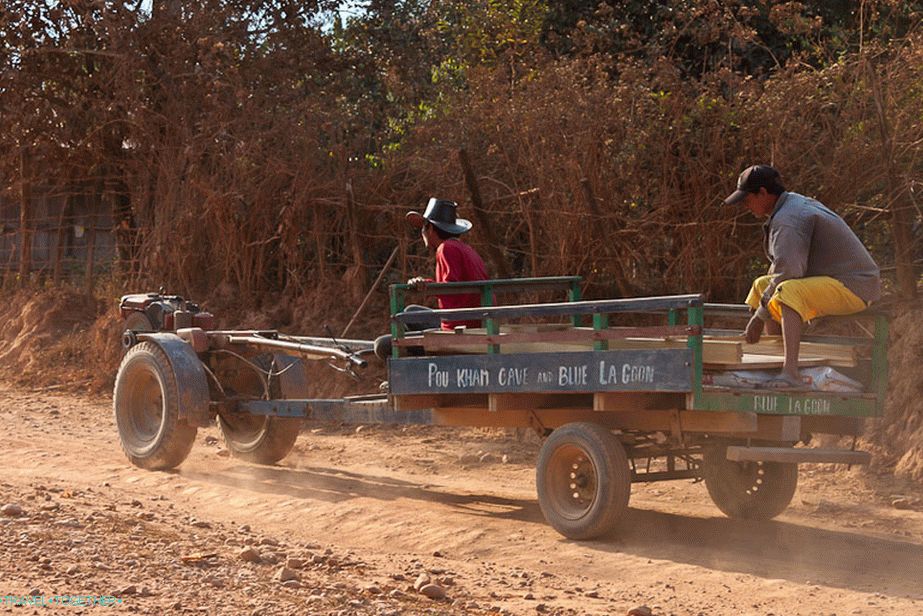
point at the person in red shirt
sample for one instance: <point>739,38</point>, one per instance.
<point>456,261</point>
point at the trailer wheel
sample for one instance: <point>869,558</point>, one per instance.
<point>146,408</point>
<point>583,480</point>
<point>748,490</point>
<point>261,439</point>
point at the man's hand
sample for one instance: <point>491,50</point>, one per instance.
<point>417,282</point>
<point>754,330</point>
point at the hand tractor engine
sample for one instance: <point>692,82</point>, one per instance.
<point>157,312</point>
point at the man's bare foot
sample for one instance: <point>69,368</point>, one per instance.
<point>754,330</point>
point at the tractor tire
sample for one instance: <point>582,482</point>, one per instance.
<point>146,408</point>
<point>256,438</point>
<point>583,480</point>
<point>748,490</point>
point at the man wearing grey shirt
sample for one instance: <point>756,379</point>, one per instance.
<point>818,265</point>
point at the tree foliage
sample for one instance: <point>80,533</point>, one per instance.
<point>270,146</point>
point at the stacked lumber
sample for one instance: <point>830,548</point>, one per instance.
<point>718,353</point>
<point>769,351</point>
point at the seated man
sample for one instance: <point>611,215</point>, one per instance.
<point>818,265</point>
<point>455,262</point>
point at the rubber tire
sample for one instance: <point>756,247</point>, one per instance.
<point>728,482</point>
<point>275,440</point>
<point>273,437</point>
<point>613,480</point>
<point>145,370</point>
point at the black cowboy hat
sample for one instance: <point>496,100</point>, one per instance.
<point>441,214</point>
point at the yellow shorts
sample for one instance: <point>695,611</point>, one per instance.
<point>812,297</point>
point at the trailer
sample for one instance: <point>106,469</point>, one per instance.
<point>620,391</point>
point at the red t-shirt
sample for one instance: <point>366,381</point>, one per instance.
<point>459,262</point>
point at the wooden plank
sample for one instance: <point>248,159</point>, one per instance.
<point>636,401</point>
<point>533,401</point>
<point>514,402</point>
<point>688,421</point>
<point>832,424</point>
<point>584,372</point>
<point>717,422</point>
<point>412,403</point>
<point>721,353</point>
<point>738,453</point>
<point>550,418</point>
<point>508,419</point>
<point>780,427</point>
<point>773,345</point>
<point>647,421</point>
<point>844,355</point>
<point>763,362</point>
<point>428,401</point>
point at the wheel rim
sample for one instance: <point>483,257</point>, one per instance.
<point>245,431</point>
<point>144,411</point>
<point>748,477</point>
<point>573,481</point>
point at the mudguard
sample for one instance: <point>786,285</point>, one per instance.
<point>293,382</point>
<point>191,380</point>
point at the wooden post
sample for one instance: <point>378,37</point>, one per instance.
<point>91,249</point>
<point>59,245</point>
<point>25,216</point>
<point>493,247</point>
<point>65,226</point>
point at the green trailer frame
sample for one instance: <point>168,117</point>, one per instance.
<point>604,409</point>
<point>700,397</point>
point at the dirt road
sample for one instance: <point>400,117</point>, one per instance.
<point>349,522</point>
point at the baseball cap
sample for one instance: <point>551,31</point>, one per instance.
<point>751,180</point>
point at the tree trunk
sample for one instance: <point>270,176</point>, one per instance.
<point>320,244</point>
<point>359,277</point>
<point>484,227</point>
<point>25,216</point>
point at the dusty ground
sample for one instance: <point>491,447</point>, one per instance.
<point>358,516</point>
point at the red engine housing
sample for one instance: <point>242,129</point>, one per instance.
<point>163,312</point>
